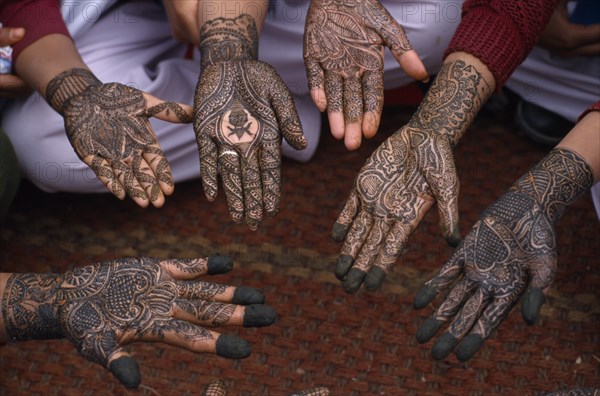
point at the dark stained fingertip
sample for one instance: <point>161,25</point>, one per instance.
<point>218,264</point>
<point>374,278</point>
<point>127,371</point>
<point>468,346</point>
<point>428,329</point>
<point>424,296</point>
<point>244,295</point>
<point>339,231</point>
<point>353,280</point>
<point>453,240</point>
<point>232,347</point>
<point>259,315</point>
<point>533,299</point>
<point>343,265</point>
<point>443,346</point>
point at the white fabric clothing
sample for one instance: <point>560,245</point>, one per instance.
<point>130,42</point>
<point>564,85</point>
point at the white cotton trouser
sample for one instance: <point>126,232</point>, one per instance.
<point>131,43</point>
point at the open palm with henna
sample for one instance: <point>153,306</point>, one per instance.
<point>242,110</point>
<point>107,125</point>
<point>102,307</point>
<point>343,53</point>
<point>509,253</point>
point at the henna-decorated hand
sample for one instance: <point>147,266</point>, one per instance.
<point>242,108</point>
<point>108,127</point>
<point>403,178</point>
<point>218,388</point>
<point>509,253</point>
<point>343,53</point>
<point>102,307</point>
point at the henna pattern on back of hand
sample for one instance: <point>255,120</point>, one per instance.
<point>102,307</point>
<point>242,108</point>
<point>509,253</point>
<point>404,177</point>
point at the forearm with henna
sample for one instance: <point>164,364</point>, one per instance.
<point>461,87</point>
<point>459,90</point>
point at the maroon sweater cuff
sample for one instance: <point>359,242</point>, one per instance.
<point>594,107</point>
<point>39,18</point>
<point>500,33</point>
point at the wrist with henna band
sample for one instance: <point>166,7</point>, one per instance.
<point>68,84</point>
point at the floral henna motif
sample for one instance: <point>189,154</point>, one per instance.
<point>242,108</point>
<point>509,253</point>
<point>104,306</point>
<point>108,127</point>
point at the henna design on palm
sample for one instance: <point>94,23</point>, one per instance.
<point>102,307</point>
<point>404,177</point>
<point>242,108</point>
<point>108,127</point>
<point>509,253</point>
<point>343,54</point>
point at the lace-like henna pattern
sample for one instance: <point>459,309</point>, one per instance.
<point>404,177</point>
<point>452,101</point>
<point>345,40</point>
<point>169,107</point>
<point>223,40</point>
<point>441,120</point>
<point>511,248</point>
<point>241,106</point>
<point>216,388</point>
<point>108,127</point>
<point>100,306</point>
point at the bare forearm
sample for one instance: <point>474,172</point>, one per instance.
<point>584,139</point>
<point>47,57</point>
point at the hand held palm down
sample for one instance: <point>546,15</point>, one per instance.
<point>404,177</point>
<point>509,253</point>
<point>102,307</point>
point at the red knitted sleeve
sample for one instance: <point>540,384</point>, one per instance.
<point>501,33</point>
<point>594,107</point>
<point>39,18</point>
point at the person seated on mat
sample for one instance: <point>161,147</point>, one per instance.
<point>107,125</point>
<point>103,307</point>
<point>414,168</point>
<point>131,43</point>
